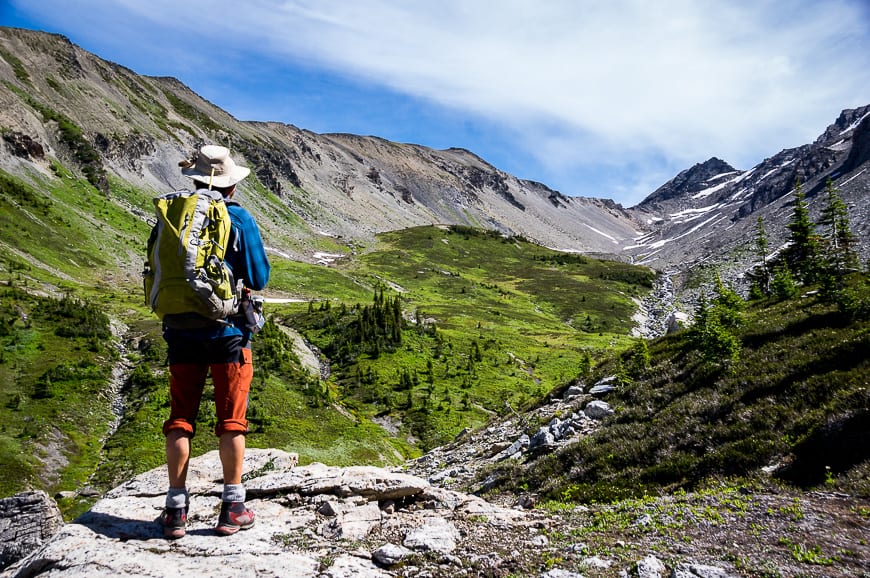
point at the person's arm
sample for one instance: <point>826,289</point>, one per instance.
<point>248,260</point>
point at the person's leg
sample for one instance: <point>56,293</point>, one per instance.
<point>235,515</point>
<point>186,381</point>
<point>232,382</point>
<point>185,391</point>
<point>177,457</point>
<point>232,453</point>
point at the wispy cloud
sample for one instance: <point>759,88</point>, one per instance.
<point>583,86</point>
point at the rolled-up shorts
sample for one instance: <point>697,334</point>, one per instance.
<point>229,360</point>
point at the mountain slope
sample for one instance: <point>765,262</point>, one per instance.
<point>95,141</point>
<point>707,215</point>
<point>332,192</point>
<point>137,128</point>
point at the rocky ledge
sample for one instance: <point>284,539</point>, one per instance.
<point>331,522</point>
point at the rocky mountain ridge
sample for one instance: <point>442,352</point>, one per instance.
<point>337,185</point>
<point>707,215</point>
<point>350,187</point>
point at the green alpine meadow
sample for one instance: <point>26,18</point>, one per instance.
<point>419,337</point>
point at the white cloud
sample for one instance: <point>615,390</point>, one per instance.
<point>681,77</point>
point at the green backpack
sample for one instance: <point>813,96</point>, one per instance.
<point>185,270</point>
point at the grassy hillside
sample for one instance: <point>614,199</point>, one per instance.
<point>795,403</point>
<point>482,325</point>
<point>54,369</point>
<point>492,324</point>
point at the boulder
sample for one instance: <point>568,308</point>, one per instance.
<point>435,535</point>
<point>597,409</point>
<point>27,520</point>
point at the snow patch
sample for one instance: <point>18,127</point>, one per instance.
<point>773,170</point>
<point>854,125</point>
<point>603,234</point>
<point>741,194</point>
<point>840,145</point>
<point>661,243</point>
<point>722,175</point>
<point>855,176</point>
<point>709,191</point>
<point>692,214</point>
<point>326,258</point>
<point>744,175</point>
<point>278,252</point>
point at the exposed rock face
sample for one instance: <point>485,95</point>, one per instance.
<point>26,521</point>
<point>860,151</point>
<point>308,519</point>
<point>708,214</point>
<point>688,182</point>
<point>23,146</point>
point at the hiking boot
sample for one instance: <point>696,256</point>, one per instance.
<point>174,521</point>
<point>234,517</point>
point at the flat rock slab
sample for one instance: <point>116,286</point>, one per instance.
<point>121,534</point>
<point>121,537</point>
<point>369,482</point>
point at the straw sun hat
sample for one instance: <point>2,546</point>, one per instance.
<point>213,166</point>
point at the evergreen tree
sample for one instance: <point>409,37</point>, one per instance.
<point>728,305</point>
<point>476,355</point>
<point>803,252</point>
<point>638,358</point>
<point>761,286</point>
<point>784,286</point>
<point>840,253</point>
<point>712,330</point>
<point>585,363</point>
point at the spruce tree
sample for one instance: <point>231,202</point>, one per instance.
<point>761,286</point>
<point>727,305</point>
<point>783,285</point>
<point>802,254</point>
<point>840,253</point>
<point>715,339</point>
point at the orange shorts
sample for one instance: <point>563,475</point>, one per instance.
<point>232,372</point>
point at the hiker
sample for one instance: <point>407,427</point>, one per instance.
<point>197,344</point>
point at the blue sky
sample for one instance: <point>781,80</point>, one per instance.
<point>599,98</point>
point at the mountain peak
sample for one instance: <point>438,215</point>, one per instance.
<point>690,181</point>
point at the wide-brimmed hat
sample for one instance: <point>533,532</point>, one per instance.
<point>213,166</point>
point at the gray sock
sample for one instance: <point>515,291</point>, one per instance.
<point>233,493</point>
<point>176,498</point>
